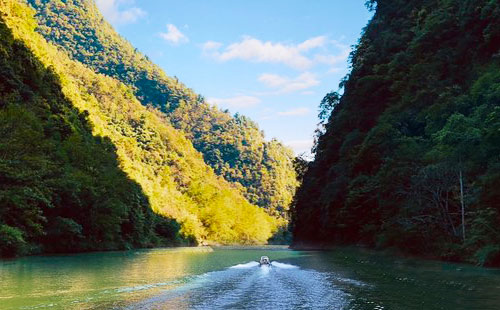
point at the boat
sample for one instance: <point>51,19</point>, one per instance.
<point>264,261</point>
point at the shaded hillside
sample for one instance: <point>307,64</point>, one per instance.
<point>60,187</point>
<point>151,152</point>
<point>232,145</point>
<point>410,156</point>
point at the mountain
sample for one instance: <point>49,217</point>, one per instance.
<point>83,163</point>
<point>232,145</point>
<point>55,176</point>
<point>409,156</point>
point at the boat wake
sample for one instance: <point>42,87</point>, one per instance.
<point>245,266</point>
<point>248,286</point>
<point>284,266</point>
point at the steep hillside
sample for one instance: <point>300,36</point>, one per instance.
<point>410,155</point>
<point>151,152</point>
<point>232,145</point>
<point>60,187</point>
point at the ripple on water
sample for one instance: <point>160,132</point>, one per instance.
<point>248,286</point>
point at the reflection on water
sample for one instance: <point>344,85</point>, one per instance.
<point>92,279</point>
<point>230,278</point>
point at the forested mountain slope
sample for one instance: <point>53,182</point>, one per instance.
<point>410,157</point>
<point>66,166</point>
<point>232,145</point>
<point>60,187</point>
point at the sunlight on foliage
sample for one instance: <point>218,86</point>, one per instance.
<point>159,158</point>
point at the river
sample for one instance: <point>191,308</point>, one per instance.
<point>230,278</point>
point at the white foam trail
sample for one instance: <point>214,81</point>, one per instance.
<point>264,269</point>
<point>350,281</point>
<point>246,286</point>
<point>283,265</point>
<point>245,266</point>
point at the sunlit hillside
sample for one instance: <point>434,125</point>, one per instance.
<point>233,145</point>
<point>159,158</point>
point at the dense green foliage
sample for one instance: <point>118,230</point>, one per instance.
<point>60,187</point>
<point>232,145</point>
<point>410,155</point>
<point>72,142</point>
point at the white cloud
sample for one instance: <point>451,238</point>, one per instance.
<point>295,112</point>
<point>284,84</point>
<point>211,45</point>
<point>334,59</point>
<point>255,50</point>
<point>235,102</point>
<point>210,48</point>
<point>301,146</point>
<point>312,43</point>
<point>302,56</point>
<point>174,35</point>
<point>111,9</point>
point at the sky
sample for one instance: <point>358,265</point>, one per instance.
<point>271,60</point>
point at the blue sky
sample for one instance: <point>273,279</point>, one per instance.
<point>270,60</point>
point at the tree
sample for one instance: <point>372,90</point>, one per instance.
<point>458,141</point>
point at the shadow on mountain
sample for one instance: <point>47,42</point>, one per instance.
<point>61,188</point>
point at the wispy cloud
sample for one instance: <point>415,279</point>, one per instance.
<point>115,14</point>
<point>334,59</point>
<point>255,50</point>
<point>331,59</point>
<point>312,43</point>
<point>211,45</point>
<point>295,112</point>
<point>174,35</point>
<point>235,102</point>
<point>284,84</point>
<point>301,56</point>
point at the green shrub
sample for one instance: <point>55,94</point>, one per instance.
<point>11,241</point>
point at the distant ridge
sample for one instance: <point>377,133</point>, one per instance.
<point>232,145</point>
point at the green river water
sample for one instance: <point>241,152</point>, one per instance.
<point>230,278</point>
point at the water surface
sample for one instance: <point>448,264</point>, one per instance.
<point>230,278</point>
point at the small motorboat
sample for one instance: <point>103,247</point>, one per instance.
<point>264,261</point>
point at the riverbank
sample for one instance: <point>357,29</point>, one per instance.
<point>393,252</point>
